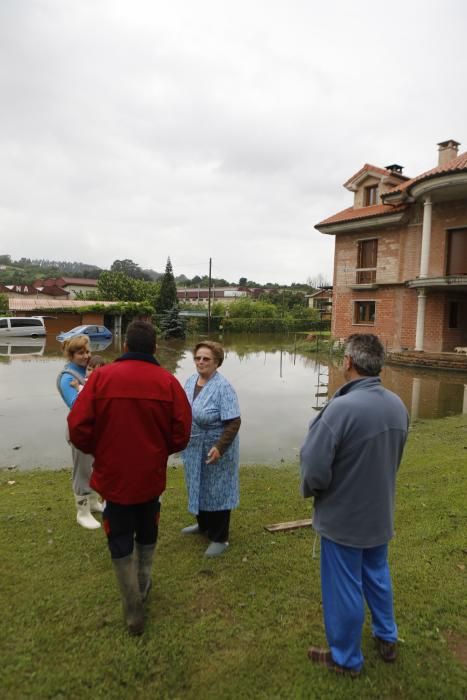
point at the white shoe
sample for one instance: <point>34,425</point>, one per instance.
<point>97,506</point>
<point>83,515</point>
<point>215,549</point>
<point>191,530</point>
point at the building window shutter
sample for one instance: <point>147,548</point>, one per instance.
<point>366,261</point>
<point>457,252</point>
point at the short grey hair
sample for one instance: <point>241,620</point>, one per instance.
<point>366,352</point>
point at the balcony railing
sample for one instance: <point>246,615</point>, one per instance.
<point>366,275</point>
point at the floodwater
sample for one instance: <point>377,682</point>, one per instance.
<point>280,392</point>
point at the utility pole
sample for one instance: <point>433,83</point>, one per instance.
<point>209,296</point>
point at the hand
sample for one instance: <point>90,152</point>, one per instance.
<point>213,455</point>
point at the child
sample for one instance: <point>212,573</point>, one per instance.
<point>94,362</point>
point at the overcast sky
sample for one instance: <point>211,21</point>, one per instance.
<point>205,128</point>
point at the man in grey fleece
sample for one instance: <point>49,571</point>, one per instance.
<point>348,464</point>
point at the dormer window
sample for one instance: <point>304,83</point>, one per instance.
<point>371,195</point>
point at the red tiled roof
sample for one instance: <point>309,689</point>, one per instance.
<point>53,291</point>
<point>60,281</point>
<point>374,168</point>
<point>51,281</point>
<point>351,214</point>
<point>79,280</point>
<point>455,165</point>
<point>41,304</point>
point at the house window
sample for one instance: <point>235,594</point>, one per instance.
<point>454,314</point>
<point>457,252</point>
<point>367,255</point>
<point>371,195</point>
<point>364,312</point>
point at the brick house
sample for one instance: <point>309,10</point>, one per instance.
<point>400,263</point>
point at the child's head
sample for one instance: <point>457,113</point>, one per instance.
<point>94,362</point>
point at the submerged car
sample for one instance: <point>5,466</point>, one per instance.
<point>20,326</point>
<point>93,332</point>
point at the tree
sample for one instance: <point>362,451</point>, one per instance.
<point>284,299</point>
<point>168,291</point>
<point>147,291</point>
<point>318,281</point>
<point>172,324</point>
<point>4,304</point>
<point>115,286</point>
<point>129,268</point>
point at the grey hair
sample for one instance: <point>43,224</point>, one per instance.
<point>366,352</point>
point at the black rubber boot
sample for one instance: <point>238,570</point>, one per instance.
<point>127,577</point>
<point>145,555</point>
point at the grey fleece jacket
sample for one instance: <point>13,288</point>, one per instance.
<point>349,462</point>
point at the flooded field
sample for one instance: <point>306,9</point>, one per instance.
<point>280,392</point>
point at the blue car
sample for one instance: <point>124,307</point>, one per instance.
<point>95,333</point>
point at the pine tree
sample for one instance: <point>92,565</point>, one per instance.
<point>168,291</point>
<point>172,324</point>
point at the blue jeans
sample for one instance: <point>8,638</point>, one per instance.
<point>349,576</point>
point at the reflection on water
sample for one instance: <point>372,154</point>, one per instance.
<point>426,393</point>
<point>280,391</point>
<point>21,346</point>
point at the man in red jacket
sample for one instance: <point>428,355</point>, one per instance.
<point>131,415</point>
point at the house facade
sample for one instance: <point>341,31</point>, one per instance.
<point>400,264</point>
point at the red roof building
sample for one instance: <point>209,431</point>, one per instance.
<point>400,263</point>
<point>69,285</point>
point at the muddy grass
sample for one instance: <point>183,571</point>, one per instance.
<point>237,627</point>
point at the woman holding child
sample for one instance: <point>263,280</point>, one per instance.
<point>69,382</point>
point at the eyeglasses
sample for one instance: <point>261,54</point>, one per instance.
<point>198,358</point>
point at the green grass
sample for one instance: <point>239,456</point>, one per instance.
<point>239,626</point>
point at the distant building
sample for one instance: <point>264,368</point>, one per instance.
<point>59,314</point>
<point>321,301</point>
<point>20,290</point>
<point>400,263</point>
<point>200,295</point>
<point>71,285</point>
<point>226,295</point>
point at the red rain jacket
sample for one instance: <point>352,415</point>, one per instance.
<point>131,415</point>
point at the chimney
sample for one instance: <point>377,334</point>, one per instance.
<point>395,168</point>
<point>447,151</point>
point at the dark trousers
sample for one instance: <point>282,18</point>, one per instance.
<point>215,523</point>
<point>125,524</point>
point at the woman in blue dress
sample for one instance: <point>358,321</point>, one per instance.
<point>212,457</point>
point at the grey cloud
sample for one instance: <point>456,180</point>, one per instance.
<point>213,129</point>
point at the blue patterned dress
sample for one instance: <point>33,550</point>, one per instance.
<point>211,486</point>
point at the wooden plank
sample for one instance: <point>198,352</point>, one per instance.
<point>291,525</point>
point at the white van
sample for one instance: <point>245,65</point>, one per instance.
<point>18,326</point>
